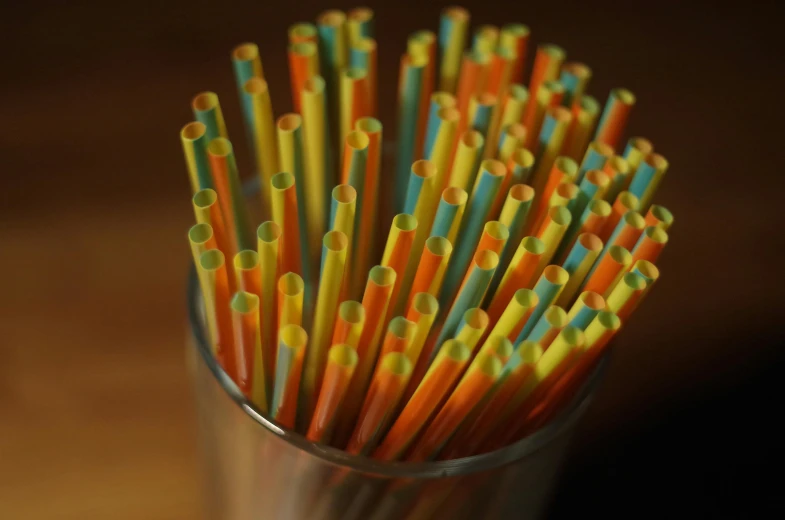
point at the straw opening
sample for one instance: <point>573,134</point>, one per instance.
<point>624,95</point>
<point>193,131</point>
<point>255,86</point>
<point>494,167</point>
<point>456,14</point>
<point>589,105</point>
<point>333,18</point>
<point>304,48</point>
<point>641,144</point>
<point>424,168</point>
<point>629,200</point>
<point>405,222</point>
<point>516,29</point>
<point>526,298</point>
<point>476,318</point>
<point>560,215</point>
<point>593,300</point>
<point>365,44</point>
<point>455,196</point>
<point>553,51</point>
<point>344,194</point>
<point>497,230</point>
<point>657,161</point>
<point>556,275</point>
<point>246,259</point>
<point>555,316</point>
<point>501,346</point>
<point>657,234</point>
<point>291,284</point>
<point>438,246</point>
<point>472,139</point>
<point>369,125</point>
<point>521,192</point>
<point>245,302</point>
<point>245,52</point>
<point>489,365</point>
<point>566,190</point>
<point>303,30</point>
<point>516,130</point>
<point>577,69</point>
<point>355,73</point>
<point>290,122</point>
<point>533,245</point>
<point>314,85</point>
<point>609,320</point>
<point>357,140</point>
<point>590,241</point>
<point>205,198</point>
<point>560,114</point>
<point>598,177</point>
<point>211,259</point>
<point>335,241</point>
<point>382,276</point>
<point>530,352</point>
<point>600,207</point>
<point>352,311</point>
<point>601,148</point>
<point>205,101</point>
<point>523,158</point>
<point>268,231</point>
<point>572,335</point>
<point>282,181</point>
<point>293,335</point>
<point>456,350</point>
<point>425,303</point>
<point>449,114</point>
<point>518,92</point>
<point>220,146</point>
<point>620,255</point>
<point>486,259</point>
<point>444,99</point>
<point>662,214</point>
<point>200,233</point>
<point>647,269</point>
<point>401,328</point>
<point>634,220</point>
<point>566,165</point>
<point>343,355</point>
<point>553,86</point>
<point>634,281</point>
<point>619,164</point>
<point>486,99</point>
<point>360,14</point>
<point>397,363</point>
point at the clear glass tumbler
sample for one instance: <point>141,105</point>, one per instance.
<point>254,469</point>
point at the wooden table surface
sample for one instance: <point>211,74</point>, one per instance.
<point>95,412</point>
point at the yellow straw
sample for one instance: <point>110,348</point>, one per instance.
<point>464,167</point>
<point>290,300</point>
<point>267,236</point>
<point>422,312</point>
<point>263,125</point>
<point>318,166</point>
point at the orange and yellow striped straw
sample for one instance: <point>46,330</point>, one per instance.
<point>618,170</point>
<point>422,312</point>
<point>443,372</point>
<point>286,216</point>
<point>486,37</point>
<point>549,95</point>
<point>333,56</point>
<point>431,268</point>
<point>349,323</point>
<point>624,203</point>
<point>515,314</point>
<point>303,32</point>
<point>365,244</point>
<point>473,325</point>
<point>636,151</point>
<point>376,300</point>
<point>473,78</point>
<point>341,363</point>
<point>624,297</point>
<point>449,214</point>
<point>650,244</point>
<point>248,348</point>
<point>291,289</point>
<point>422,45</point>
<point>494,237</point>
<point>551,232</point>
<point>580,259</point>
<point>499,346</point>
<point>248,274</point>
<point>515,37</point>
<point>549,144</point>
<point>514,105</point>
<point>387,386</point>
<point>520,274</point>
<point>467,155</point>
<point>355,99</point>
<point>500,71</point>
<point>564,194</point>
<point>399,336</point>
<point>303,65</point>
<point>547,63</point>
<point>614,117</point>
<point>363,56</point>
<point>564,170</point>
<point>207,110</point>
<point>268,235</point>
<point>585,309</point>
<point>476,383</point>
<point>258,114</point>
<point>584,117</point>
<point>575,77</point>
<point>360,23</point>
<point>292,340</point>
<point>453,29</point>
<point>193,138</point>
<point>201,239</point>
<point>207,210</point>
<point>659,216</point>
<point>550,324</point>
<point>334,247</point>
<point>343,210</point>
<point>398,254</point>
<point>230,194</point>
<point>217,311</point>
<point>608,270</point>
<point>319,168</point>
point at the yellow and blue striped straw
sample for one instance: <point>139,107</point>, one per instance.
<point>510,140</point>
<point>618,170</point>
<point>367,242</point>
<point>258,117</point>
<point>594,159</point>
<point>520,306</point>
<point>520,166</point>
<point>468,154</point>
<point>585,309</point>
<point>551,232</point>
<point>575,77</point>
<point>422,312</point>
<point>246,64</point>
<point>514,105</point>
<point>453,29</point>
<point>267,237</point>
<point>440,153</point>
<point>513,216</point>
<point>363,56</point>
<point>409,93</point>
<point>549,144</point>
<point>449,214</point>
<point>515,37</point>
<point>193,137</point>
<point>439,100</point>
<point>547,289</point>
<point>480,117</point>
<point>207,110</point>
<point>546,98</point>
<point>333,55</point>
<point>585,113</point>
<point>637,149</point>
<point>580,259</point>
<point>361,24</point>
<point>647,179</point>
<point>552,321</point>
<point>593,186</point>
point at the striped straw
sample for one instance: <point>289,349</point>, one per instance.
<point>207,110</point>
<point>647,179</point>
<point>614,117</point>
<point>575,77</point>
<point>194,141</point>
<point>289,364</point>
<point>453,28</point>
<point>515,37</point>
<point>258,117</point>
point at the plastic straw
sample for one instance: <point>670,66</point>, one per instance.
<point>207,110</point>
<point>349,323</point>
<point>513,215</point>
<point>398,254</point>
<point>431,268</point>
<point>409,93</point>
<point>547,62</point>
<point>516,313</point>
<point>474,75</point>
<point>597,154</point>
<point>201,239</point>
<point>341,363</point>
<point>360,23</point>
<point>626,293</point>
<point>268,236</point>
<point>333,54</point>
<point>579,260</point>
<point>443,372</point>
<point>465,163</point>
<point>551,232</point>
<point>659,216</point>
<point>363,56</point>
<point>453,28</point>
<point>480,117</point>
<point>230,194</point>
<point>422,45</point>
<point>319,169</point>
<point>608,270</point>
<point>650,274</point>
<point>422,312</point>
<point>355,99</point>
<point>618,170</point>
<point>289,364</point>
<point>247,64</point>
<point>365,244</point>
<point>593,187</point>
<point>208,211</point>
<point>515,37</point>
<point>637,149</point>
<point>398,338</point>
<point>564,194</point>
<point>290,300</point>
<point>216,302</point>
<point>614,116</point>
<point>554,128</point>
<point>647,179</point>
<point>514,104</point>
<point>627,231</point>
<point>585,309</point>
<point>552,321</point>
<point>439,100</point>
<point>510,140</point>
<point>444,142</point>
<point>354,173</point>
<point>287,218</point>
<point>247,272</point>
<point>194,141</point>
<point>584,117</point>
<point>549,95</point>
<point>547,288</point>
<point>303,32</point>
<point>303,65</point>
<point>650,244</point>
<point>342,218</point>
<point>486,37</point>
<point>248,351</point>
<point>575,77</point>
<point>500,72</point>
<point>258,117</point>
<point>472,327</point>
<point>624,203</point>
<point>449,214</point>
<point>520,274</point>
<point>334,247</point>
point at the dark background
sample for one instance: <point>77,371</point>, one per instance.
<point>95,412</point>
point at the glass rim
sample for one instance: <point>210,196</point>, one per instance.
<point>388,469</point>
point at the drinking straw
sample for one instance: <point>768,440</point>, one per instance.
<point>334,247</point>
<point>376,300</point>
<point>557,220</point>
<point>290,300</point>
<point>627,231</point>
<point>614,116</point>
<point>474,75</point>
<point>216,303</point>
<point>618,170</point>
<point>342,218</point>
<point>360,24</point>
<point>208,211</point>
<point>647,179</point>
<point>202,239</point>
<point>637,149</point>
<point>247,272</point>
<point>624,203</point>
<point>465,163</point>
<point>510,140</point>
<point>481,114</point>
<point>626,293</point>
<point>349,323</point>
<point>449,214</point>
<point>398,255</point>
<point>575,76</point>
<point>333,54</point>
<point>409,93</point>
<point>549,144</point>
<point>422,312</point>
<point>453,27</point>
<point>472,327</point>
<point>289,364</point>
<point>303,32</point>
<point>430,268</point>
<point>580,259</point>
<point>608,270</point>
<point>547,61</point>
<point>597,154</point>
<point>341,363</point>
<point>515,37</point>
<point>439,100</point>
<point>564,194</point>
<point>365,243</point>
<point>290,147</point>
<point>478,425</point>
<point>650,274</point>
<point>398,338</point>
<point>659,216</point>
<point>230,194</point>
<point>207,110</point>
<point>593,187</point>
<point>475,384</point>
<point>258,118</point>
<point>445,369</point>
<point>650,244</point>
<point>585,113</point>
<point>498,346</point>
<point>286,216</point>
<point>585,309</point>
<point>513,216</point>
<point>268,236</point>
<point>516,313</point>
<point>519,274</point>
<point>564,170</point>
<point>486,187</point>
<point>494,237</point>
<point>514,104</point>
<point>303,65</point>
<point>548,287</point>
<point>248,347</point>
<point>246,64</point>
<point>485,39</point>
<point>552,321</point>
<point>520,166</point>
<point>470,293</point>
<point>594,216</point>
<point>354,99</point>
<point>386,389</point>
<point>318,154</point>
<point>500,71</point>
<point>194,141</point>
<point>363,56</point>
<point>422,44</point>
<point>440,154</point>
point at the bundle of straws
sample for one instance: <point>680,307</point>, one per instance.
<point>523,237</point>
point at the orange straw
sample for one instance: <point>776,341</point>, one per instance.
<point>341,362</point>
<point>610,268</point>
<point>624,202</point>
